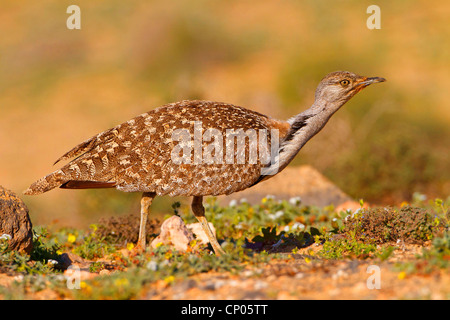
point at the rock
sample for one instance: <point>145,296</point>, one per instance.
<point>15,221</point>
<point>68,259</point>
<point>104,272</point>
<point>174,232</point>
<point>303,181</point>
<point>197,230</point>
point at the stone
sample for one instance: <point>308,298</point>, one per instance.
<point>15,221</point>
<point>175,233</point>
<point>197,230</point>
<point>68,259</point>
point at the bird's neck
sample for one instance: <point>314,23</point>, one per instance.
<point>303,127</point>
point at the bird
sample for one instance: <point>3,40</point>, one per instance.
<point>195,148</point>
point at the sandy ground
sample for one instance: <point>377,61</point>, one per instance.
<point>299,276</point>
<point>295,278</point>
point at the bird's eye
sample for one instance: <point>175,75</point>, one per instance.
<point>344,83</point>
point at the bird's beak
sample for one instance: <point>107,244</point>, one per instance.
<point>368,81</point>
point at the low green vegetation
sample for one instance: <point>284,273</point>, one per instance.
<point>252,235</point>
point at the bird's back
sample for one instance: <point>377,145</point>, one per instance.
<point>181,148</point>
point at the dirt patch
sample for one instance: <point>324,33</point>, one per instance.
<point>303,277</point>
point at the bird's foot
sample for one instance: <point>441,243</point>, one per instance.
<point>139,248</point>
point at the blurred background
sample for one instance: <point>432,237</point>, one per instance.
<point>59,87</point>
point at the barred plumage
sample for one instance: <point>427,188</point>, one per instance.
<point>143,154</point>
<point>136,155</point>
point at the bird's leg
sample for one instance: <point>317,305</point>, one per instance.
<point>199,213</point>
<point>146,201</point>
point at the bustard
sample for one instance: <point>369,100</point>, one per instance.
<point>143,154</point>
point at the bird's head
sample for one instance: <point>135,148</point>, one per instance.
<point>340,86</point>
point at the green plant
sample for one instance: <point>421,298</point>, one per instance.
<point>44,246</point>
<point>272,241</point>
<point>38,262</point>
<point>93,246</point>
<point>346,247</point>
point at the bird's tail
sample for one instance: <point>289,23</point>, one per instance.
<point>49,182</point>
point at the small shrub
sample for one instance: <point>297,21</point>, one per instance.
<point>381,225</point>
<point>346,247</point>
<point>124,229</point>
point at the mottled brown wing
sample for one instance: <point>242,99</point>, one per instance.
<point>138,154</point>
<point>147,164</point>
<point>89,144</point>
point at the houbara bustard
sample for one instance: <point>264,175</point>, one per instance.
<point>197,148</point>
